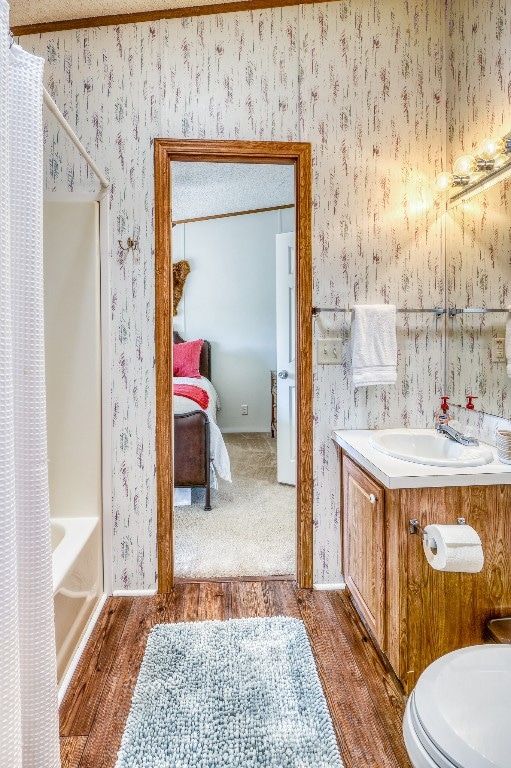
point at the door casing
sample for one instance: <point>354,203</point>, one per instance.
<point>285,153</point>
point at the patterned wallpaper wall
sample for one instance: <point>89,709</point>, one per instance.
<point>478,245</point>
<point>364,83</point>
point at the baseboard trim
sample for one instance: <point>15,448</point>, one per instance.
<point>329,587</point>
<point>80,649</point>
<point>245,430</point>
<point>224,579</point>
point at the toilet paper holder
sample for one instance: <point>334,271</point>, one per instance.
<point>415,527</point>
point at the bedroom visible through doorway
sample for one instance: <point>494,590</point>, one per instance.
<point>231,230</point>
<point>298,156</point>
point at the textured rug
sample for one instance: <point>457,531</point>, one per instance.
<point>251,529</point>
<point>234,694</point>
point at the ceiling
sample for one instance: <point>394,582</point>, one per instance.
<point>37,12</point>
<point>213,189</point>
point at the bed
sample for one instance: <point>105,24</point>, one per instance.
<point>199,448</point>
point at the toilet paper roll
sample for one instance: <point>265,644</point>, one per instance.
<point>458,548</point>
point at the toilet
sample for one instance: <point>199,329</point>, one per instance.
<point>459,713</point>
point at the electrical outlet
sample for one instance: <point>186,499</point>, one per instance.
<point>244,410</point>
<point>329,351</point>
<point>498,352</point>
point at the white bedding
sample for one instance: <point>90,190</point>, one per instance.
<point>219,455</point>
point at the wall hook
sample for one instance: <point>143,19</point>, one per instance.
<point>132,245</point>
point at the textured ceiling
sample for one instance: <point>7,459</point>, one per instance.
<point>37,12</point>
<point>212,189</point>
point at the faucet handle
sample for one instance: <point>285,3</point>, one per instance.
<point>470,405</point>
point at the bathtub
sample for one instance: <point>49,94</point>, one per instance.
<point>77,581</point>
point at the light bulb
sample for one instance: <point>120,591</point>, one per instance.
<point>443,181</point>
<point>489,149</point>
<point>463,165</point>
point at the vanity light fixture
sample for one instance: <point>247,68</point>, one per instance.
<point>464,166</point>
<point>475,172</point>
<point>444,180</point>
<point>489,149</point>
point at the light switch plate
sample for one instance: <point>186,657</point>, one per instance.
<point>498,352</point>
<point>329,351</point>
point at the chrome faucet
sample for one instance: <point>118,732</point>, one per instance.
<point>453,434</point>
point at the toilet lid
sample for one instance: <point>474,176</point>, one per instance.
<point>463,702</point>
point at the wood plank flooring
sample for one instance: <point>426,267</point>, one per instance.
<point>365,702</point>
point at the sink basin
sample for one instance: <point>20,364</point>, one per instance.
<point>428,447</point>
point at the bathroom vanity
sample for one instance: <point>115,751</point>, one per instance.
<point>414,613</point>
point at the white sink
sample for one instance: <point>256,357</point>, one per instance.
<point>429,447</point>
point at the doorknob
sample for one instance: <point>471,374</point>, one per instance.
<point>283,374</point>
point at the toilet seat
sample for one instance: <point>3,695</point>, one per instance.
<point>460,710</point>
<point>421,750</point>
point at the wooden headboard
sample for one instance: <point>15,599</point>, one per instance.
<point>205,355</point>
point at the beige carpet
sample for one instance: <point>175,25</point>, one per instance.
<point>251,529</point>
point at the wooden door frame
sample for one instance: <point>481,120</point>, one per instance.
<point>297,154</point>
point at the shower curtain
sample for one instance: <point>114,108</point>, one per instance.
<point>28,687</point>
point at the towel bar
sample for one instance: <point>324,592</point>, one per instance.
<point>437,311</point>
<point>453,311</point>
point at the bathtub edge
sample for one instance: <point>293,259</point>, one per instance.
<point>71,667</point>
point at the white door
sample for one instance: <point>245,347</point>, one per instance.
<point>286,364</point>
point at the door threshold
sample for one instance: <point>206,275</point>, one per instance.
<point>223,579</point>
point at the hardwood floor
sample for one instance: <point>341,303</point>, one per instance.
<point>365,702</point>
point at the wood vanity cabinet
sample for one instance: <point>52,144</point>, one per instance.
<point>415,613</point>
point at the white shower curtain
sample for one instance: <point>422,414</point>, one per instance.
<point>28,687</point>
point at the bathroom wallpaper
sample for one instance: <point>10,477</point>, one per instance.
<point>478,245</point>
<point>364,83</point>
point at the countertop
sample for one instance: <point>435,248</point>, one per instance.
<point>396,473</point>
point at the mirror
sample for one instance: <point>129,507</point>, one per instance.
<point>478,272</point>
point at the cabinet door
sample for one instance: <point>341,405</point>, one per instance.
<point>364,545</point>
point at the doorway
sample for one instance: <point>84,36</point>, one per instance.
<point>298,155</point>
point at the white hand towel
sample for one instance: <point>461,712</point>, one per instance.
<point>374,344</point>
<point>508,343</point>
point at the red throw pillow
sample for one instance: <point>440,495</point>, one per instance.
<point>187,358</point>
